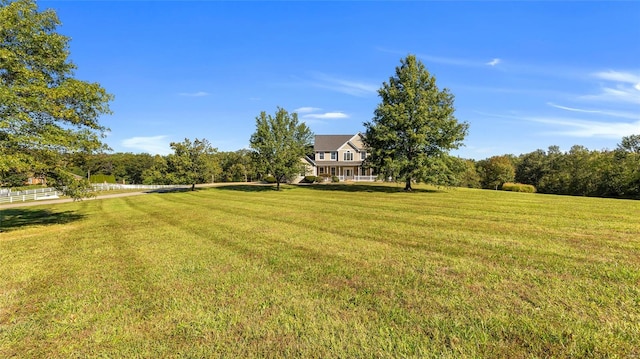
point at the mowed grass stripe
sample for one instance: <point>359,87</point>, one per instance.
<point>283,262</point>
<point>238,273</point>
<point>543,265</point>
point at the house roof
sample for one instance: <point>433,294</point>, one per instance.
<point>330,142</point>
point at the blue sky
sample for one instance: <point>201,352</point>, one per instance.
<point>526,75</point>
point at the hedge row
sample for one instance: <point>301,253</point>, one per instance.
<point>100,178</point>
<point>518,187</point>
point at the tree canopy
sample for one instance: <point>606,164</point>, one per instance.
<point>414,127</point>
<point>45,112</point>
<point>190,163</point>
<point>496,171</point>
<point>279,144</point>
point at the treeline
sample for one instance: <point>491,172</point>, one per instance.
<point>580,171</point>
<point>143,168</point>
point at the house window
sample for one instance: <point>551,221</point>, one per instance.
<point>363,155</point>
<point>320,170</point>
<point>348,156</point>
<point>334,155</point>
<point>333,171</point>
<point>321,155</point>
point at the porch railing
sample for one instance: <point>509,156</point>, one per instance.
<point>357,178</point>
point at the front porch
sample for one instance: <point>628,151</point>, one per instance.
<point>347,173</point>
<point>357,178</point>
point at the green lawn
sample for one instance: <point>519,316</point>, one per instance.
<point>322,271</point>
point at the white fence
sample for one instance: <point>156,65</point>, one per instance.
<point>115,186</point>
<point>9,196</point>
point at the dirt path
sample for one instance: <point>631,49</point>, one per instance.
<point>114,195</point>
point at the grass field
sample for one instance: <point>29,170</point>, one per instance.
<point>322,271</point>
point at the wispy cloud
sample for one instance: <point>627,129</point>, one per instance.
<point>621,114</point>
<point>326,116</point>
<point>152,144</point>
<point>618,76</point>
<point>625,87</point>
<point>446,60</point>
<point>449,60</point>
<point>194,94</point>
<point>494,62</point>
<point>349,87</point>
<point>306,110</point>
<point>584,128</point>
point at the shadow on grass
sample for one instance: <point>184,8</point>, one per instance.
<point>342,187</point>
<point>251,187</point>
<point>378,188</point>
<point>171,190</point>
<point>12,219</point>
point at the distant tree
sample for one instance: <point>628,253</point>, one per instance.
<point>531,167</point>
<point>469,177</point>
<point>630,144</point>
<point>45,112</point>
<point>279,144</point>
<point>413,127</point>
<point>158,173</point>
<point>556,178</point>
<point>237,166</point>
<point>129,167</point>
<point>583,174</point>
<point>191,161</point>
<point>13,179</point>
<point>626,167</point>
<point>496,170</point>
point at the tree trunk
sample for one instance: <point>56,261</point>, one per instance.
<point>277,184</point>
<point>407,185</point>
<point>193,186</point>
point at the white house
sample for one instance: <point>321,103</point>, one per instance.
<point>341,156</point>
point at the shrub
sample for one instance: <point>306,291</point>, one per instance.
<point>270,179</point>
<point>100,178</point>
<point>323,177</point>
<point>309,179</point>
<point>335,179</point>
<point>518,187</point>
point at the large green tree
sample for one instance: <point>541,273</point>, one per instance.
<point>414,128</point>
<point>279,144</point>
<point>237,166</point>
<point>45,112</point>
<point>495,171</point>
<point>192,162</point>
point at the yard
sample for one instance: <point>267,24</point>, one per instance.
<point>322,271</point>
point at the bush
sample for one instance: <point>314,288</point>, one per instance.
<point>518,187</point>
<point>323,177</point>
<point>335,179</point>
<point>100,178</point>
<point>309,179</point>
<point>270,179</point>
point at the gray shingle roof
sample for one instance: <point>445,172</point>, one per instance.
<point>330,142</point>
